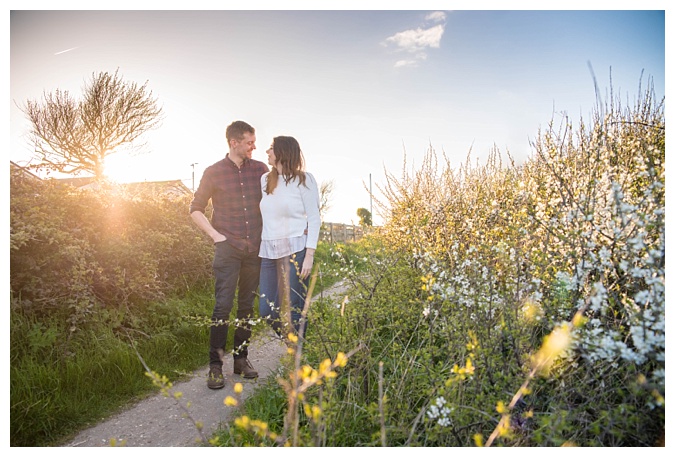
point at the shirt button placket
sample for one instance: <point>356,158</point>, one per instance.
<point>243,196</point>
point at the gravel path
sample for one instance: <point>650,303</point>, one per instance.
<point>159,421</point>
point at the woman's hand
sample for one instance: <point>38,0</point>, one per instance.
<point>307,264</point>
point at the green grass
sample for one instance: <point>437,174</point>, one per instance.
<point>54,395</point>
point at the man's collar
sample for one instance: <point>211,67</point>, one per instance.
<point>243,163</point>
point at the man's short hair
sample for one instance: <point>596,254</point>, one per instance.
<point>237,129</point>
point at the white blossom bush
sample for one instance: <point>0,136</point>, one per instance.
<point>607,188</point>
<point>516,250</point>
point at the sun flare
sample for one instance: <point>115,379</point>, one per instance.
<point>120,168</point>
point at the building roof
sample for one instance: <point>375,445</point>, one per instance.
<point>13,166</point>
<point>173,188</point>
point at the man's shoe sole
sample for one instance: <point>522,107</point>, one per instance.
<point>216,386</point>
<point>246,376</point>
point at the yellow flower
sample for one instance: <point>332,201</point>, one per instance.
<point>504,427</point>
<point>341,359</point>
<point>229,401</point>
<point>238,388</point>
<point>307,373</point>
<point>554,345</point>
<point>478,439</point>
<point>578,320</point>
<point>313,412</point>
<point>214,441</point>
<point>658,397</point>
<point>242,422</point>
<point>469,368</point>
<point>501,407</point>
<point>292,337</point>
<point>325,366</point>
<point>260,425</point>
<point>331,374</point>
<point>473,344</point>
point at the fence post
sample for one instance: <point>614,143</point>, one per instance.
<point>334,232</point>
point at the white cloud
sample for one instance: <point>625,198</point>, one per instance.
<point>416,41</point>
<point>405,63</point>
<point>437,16</point>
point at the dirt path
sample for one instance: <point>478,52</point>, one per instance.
<point>159,421</point>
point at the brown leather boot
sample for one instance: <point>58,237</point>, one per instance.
<point>244,368</point>
<point>215,380</point>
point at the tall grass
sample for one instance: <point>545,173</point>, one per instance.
<point>56,394</point>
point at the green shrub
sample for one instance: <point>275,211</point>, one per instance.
<point>77,253</point>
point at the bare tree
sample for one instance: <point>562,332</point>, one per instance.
<point>325,194</point>
<point>72,136</point>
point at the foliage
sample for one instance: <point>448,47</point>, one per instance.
<point>73,136</point>
<point>365,218</point>
<point>504,304</point>
<point>77,253</point>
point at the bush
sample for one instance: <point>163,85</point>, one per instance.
<point>77,254</point>
<point>509,253</point>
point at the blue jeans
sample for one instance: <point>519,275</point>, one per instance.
<point>277,275</point>
<point>233,267</point>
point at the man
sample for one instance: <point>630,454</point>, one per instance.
<point>233,186</point>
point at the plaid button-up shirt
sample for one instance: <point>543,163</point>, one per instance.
<point>235,194</point>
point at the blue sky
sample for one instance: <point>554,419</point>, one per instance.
<point>358,88</point>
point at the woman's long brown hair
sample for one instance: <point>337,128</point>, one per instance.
<point>287,153</point>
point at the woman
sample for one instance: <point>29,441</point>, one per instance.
<point>291,223</point>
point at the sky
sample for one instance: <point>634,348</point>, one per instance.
<point>365,91</point>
